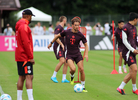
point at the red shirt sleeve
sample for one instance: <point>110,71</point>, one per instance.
<point>26,41</point>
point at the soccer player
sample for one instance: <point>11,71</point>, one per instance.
<point>24,54</point>
<point>73,38</point>
<point>129,37</point>
<point>59,53</point>
<point>118,35</point>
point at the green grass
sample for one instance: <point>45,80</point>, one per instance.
<point>101,85</point>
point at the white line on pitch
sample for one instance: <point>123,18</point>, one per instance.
<point>1,91</point>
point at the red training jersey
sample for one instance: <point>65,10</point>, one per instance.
<point>24,43</point>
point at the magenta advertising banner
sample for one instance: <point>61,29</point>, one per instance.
<point>7,43</point>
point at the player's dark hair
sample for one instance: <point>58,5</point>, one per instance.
<point>75,20</point>
<point>50,25</point>
<point>120,21</point>
<point>61,18</point>
<point>132,16</point>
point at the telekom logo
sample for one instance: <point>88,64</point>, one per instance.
<point>10,43</point>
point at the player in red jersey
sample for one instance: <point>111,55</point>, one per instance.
<point>24,54</point>
<point>129,37</point>
<point>73,38</point>
<point>118,35</point>
<point>59,53</point>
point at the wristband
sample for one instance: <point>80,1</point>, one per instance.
<point>51,42</point>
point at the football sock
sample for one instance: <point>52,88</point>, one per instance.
<point>30,94</point>
<point>54,74</point>
<point>64,77</point>
<point>134,87</point>
<point>72,76</point>
<point>83,84</point>
<point>122,85</point>
<point>120,68</point>
<point>124,66</point>
<point>19,94</point>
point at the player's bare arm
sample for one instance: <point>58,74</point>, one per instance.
<point>55,38</point>
<point>59,42</point>
<point>113,37</point>
<point>86,51</point>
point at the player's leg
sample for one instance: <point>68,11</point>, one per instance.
<point>65,67</point>
<point>133,75</point>
<point>124,67</point>
<point>72,70</point>
<point>20,80</point>
<point>81,69</point>
<point>124,82</point>
<point>120,63</point>
<point>29,87</point>
<point>20,87</point>
<point>58,66</point>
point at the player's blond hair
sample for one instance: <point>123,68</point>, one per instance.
<point>61,18</point>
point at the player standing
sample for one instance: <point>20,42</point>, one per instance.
<point>59,53</point>
<point>73,38</point>
<point>129,37</point>
<point>118,35</point>
<point>24,54</point>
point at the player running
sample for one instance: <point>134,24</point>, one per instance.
<point>118,35</point>
<point>73,38</point>
<point>129,37</point>
<point>24,54</point>
<point>59,53</point>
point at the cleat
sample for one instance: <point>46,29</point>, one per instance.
<point>135,92</point>
<point>65,81</point>
<point>125,71</point>
<point>72,82</point>
<point>84,90</point>
<point>54,79</point>
<point>121,91</point>
<point>120,72</point>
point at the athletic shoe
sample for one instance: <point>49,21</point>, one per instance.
<point>72,82</point>
<point>84,90</point>
<point>65,81</point>
<point>121,91</point>
<point>54,79</point>
<point>120,72</point>
<point>135,92</point>
<point>125,71</point>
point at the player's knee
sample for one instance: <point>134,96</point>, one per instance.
<point>62,61</point>
<point>135,70</point>
<point>74,69</point>
<point>81,70</point>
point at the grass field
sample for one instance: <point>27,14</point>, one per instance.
<point>101,85</point>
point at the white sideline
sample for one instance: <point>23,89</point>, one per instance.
<point>1,91</point>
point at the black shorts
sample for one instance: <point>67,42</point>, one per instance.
<point>130,60</point>
<point>25,68</point>
<point>59,52</point>
<point>75,58</point>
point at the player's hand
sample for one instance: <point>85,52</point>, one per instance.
<point>135,51</point>
<point>86,56</point>
<point>32,61</point>
<point>112,38</point>
<point>62,47</point>
<point>49,46</point>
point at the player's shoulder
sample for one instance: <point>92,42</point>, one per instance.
<point>59,27</point>
<point>126,27</point>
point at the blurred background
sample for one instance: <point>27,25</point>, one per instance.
<point>90,11</point>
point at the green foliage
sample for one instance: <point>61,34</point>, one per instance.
<point>82,7</point>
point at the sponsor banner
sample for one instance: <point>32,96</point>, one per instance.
<point>41,42</point>
<point>7,43</point>
<point>101,43</point>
